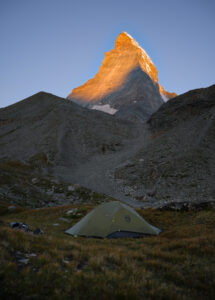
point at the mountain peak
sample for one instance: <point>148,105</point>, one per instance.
<point>118,67</point>
<point>124,39</point>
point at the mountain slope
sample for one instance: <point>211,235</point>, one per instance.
<point>177,164</point>
<point>47,136</point>
<point>61,129</point>
<point>127,76</point>
<point>52,142</point>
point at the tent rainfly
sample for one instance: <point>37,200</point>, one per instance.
<point>112,220</point>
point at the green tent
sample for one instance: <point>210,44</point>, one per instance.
<point>111,220</point>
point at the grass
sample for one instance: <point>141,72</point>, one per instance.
<point>177,264</point>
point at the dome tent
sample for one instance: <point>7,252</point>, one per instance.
<point>113,219</point>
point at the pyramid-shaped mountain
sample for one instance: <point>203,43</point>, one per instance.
<point>126,84</point>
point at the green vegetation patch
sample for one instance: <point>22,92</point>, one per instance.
<point>177,264</point>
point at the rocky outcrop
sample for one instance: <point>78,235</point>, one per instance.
<point>127,78</point>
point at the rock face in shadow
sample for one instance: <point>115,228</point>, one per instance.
<point>178,163</point>
<point>126,80</point>
<point>184,107</point>
<point>135,97</point>
<point>50,147</point>
<point>46,139</point>
<point>63,131</point>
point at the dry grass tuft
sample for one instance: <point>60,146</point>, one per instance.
<point>177,264</point>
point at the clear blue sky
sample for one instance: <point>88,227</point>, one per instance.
<point>56,45</point>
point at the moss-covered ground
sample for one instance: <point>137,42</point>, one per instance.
<point>177,264</point>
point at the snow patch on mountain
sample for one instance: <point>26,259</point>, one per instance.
<point>165,98</point>
<point>105,108</point>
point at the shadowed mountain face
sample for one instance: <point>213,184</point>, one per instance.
<point>62,130</point>
<point>126,80</point>
<point>47,137</point>
<point>135,97</point>
<point>170,158</point>
<point>178,163</point>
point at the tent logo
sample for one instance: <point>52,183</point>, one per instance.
<point>127,219</point>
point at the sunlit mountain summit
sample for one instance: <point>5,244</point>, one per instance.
<point>127,83</point>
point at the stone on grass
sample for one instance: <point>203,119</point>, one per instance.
<point>11,208</point>
<point>72,211</point>
<point>23,261</point>
<point>64,220</point>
